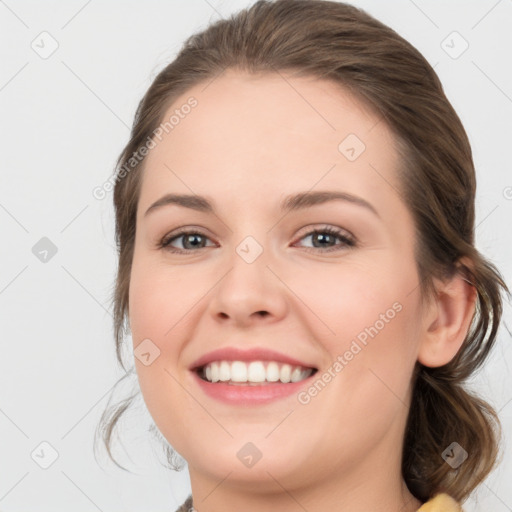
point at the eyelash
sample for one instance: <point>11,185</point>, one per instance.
<point>349,242</point>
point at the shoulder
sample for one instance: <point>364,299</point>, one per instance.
<point>441,503</point>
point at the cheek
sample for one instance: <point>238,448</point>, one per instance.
<point>146,320</point>
<point>158,301</point>
<point>346,297</point>
<point>366,319</point>
<point>368,374</point>
<point>157,313</point>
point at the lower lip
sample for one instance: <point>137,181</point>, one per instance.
<point>236,394</point>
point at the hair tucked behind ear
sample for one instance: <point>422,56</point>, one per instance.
<point>339,42</point>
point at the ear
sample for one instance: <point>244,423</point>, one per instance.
<point>447,319</point>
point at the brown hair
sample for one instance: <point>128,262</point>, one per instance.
<point>342,43</point>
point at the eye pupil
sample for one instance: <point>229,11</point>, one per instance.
<point>191,238</point>
<point>322,236</point>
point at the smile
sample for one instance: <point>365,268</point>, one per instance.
<point>253,373</point>
<point>252,383</point>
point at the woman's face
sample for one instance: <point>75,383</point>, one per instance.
<point>344,302</point>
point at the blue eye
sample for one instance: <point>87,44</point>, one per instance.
<point>191,239</point>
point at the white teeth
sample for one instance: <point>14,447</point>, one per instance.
<point>238,371</point>
<point>296,375</point>
<point>272,372</point>
<point>224,372</point>
<point>254,372</point>
<point>286,372</point>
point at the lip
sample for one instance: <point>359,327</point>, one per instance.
<point>253,354</point>
<point>247,395</point>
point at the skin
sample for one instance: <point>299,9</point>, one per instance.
<point>251,141</point>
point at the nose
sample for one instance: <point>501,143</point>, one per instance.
<point>249,293</point>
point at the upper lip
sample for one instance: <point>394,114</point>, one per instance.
<point>253,354</point>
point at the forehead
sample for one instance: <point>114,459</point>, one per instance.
<point>273,131</point>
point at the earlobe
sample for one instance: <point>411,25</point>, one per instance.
<point>448,321</point>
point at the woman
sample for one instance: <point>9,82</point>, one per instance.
<point>295,226</point>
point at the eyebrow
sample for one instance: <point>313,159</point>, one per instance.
<point>290,203</point>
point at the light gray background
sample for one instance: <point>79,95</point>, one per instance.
<point>64,120</point>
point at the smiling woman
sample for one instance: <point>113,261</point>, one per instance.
<point>297,263</point>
